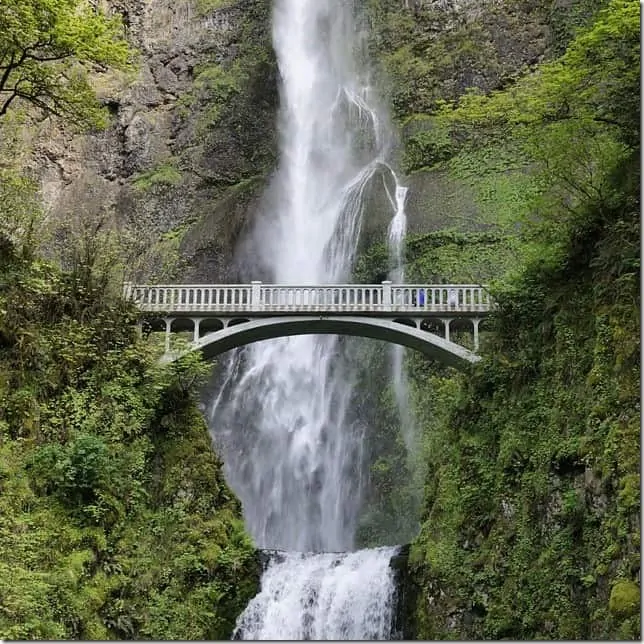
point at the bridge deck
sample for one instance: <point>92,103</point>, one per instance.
<point>258,300</point>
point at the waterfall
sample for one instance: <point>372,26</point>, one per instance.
<point>397,231</point>
<point>396,240</point>
<point>281,420</point>
<point>328,596</point>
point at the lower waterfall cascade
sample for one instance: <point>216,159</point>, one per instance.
<point>327,596</point>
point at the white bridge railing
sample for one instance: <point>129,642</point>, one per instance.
<point>258,298</point>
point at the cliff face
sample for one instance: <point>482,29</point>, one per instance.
<point>193,124</point>
<point>531,520</point>
<point>193,137</point>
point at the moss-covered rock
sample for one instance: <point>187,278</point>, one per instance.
<point>624,599</point>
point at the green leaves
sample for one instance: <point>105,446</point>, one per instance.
<point>595,81</point>
<point>48,48</point>
<point>117,521</point>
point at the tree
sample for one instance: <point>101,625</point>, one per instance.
<point>47,50</point>
<point>597,81</point>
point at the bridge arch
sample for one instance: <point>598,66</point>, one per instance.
<point>433,346</point>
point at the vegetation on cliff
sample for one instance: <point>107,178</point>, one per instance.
<point>530,523</point>
<point>117,522</point>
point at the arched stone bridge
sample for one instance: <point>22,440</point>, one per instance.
<point>222,317</point>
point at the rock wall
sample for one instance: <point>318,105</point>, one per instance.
<point>190,127</point>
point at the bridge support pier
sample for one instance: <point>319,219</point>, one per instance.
<point>168,331</point>
<point>195,331</point>
<point>446,322</point>
<point>475,324</point>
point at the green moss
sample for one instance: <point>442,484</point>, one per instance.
<point>231,105</point>
<point>205,7</point>
<point>624,599</point>
<point>164,175</point>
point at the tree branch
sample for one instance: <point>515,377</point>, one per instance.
<point>5,76</point>
<point>7,103</point>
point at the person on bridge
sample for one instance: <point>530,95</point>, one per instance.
<point>421,297</point>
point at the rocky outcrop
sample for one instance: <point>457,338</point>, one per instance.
<point>193,122</point>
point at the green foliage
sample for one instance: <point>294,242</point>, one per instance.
<point>594,83</point>
<point>164,175</point>
<point>221,85</point>
<point>532,497</point>
<point>117,521</point>
<point>426,143</point>
<point>426,57</point>
<point>566,20</point>
<point>47,50</point>
<point>20,211</point>
<point>206,6</point>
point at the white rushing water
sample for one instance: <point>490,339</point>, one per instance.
<point>408,426</point>
<point>396,241</point>
<point>281,421</point>
<point>292,451</point>
<point>325,596</point>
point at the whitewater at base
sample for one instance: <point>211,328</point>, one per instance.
<point>328,596</point>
